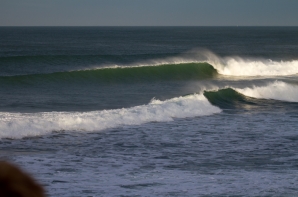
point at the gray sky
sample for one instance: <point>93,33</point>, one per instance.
<point>148,12</point>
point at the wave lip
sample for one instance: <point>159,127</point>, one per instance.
<point>277,90</point>
<point>17,125</point>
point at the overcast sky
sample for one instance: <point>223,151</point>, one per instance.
<point>148,12</point>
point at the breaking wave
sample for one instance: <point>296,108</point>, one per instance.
<point>194,65</point>
<point>277,90</point>
<point>241,67</point>
<point>253,97</point>
<point>233,66</point>
<point>18,125</point>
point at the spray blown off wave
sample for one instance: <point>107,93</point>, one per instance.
<point>277,90</point>
<point>16,125</point>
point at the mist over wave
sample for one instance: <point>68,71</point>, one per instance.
<point>18,125</point>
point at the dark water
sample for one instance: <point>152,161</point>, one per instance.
<point>152,111</point>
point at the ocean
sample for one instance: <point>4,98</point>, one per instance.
<point>152,111</point>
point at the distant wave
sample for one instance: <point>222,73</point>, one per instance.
<point>185,71</point>
<point>233,66</point>
<point>230,66</point>
<point>18,125</point>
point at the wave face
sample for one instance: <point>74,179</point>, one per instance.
<point>255,97</point>
<point>193,65</point>
<point>228,98</point>
<point>227,65</point>
<point>232,66</point>
<point>18,125</point>
<point>277,90</point>
<point>122,74</point>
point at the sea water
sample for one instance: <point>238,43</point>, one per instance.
<point>152,111</point>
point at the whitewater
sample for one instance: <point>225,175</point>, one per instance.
<point>18,125</point>
<point>233,66</point>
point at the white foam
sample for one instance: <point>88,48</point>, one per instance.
<point>234,66</point>
<point>18,125</point>
<point>240,67</point>
<point>277,90</point>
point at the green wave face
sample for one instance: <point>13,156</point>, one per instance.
<point>229,98</point>
<point>189,71</point>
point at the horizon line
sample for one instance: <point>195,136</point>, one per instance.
<point>148,25</point>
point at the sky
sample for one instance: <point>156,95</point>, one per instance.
<point>148,12</point>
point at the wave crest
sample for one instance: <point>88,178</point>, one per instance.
<point>17,125</point>
<point>277,90</point>
<point>233,66</point>
<point>193,64</point>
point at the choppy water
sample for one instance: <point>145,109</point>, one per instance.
<point>152,111</point>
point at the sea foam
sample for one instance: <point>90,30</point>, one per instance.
<point>18,125</point>
<point>277,90</point>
